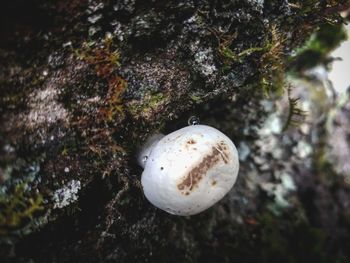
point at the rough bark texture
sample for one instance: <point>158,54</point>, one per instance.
<point>84,83</point>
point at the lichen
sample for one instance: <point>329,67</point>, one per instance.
<point>66,195</point>
<point>44,108</point>
<point>279,192</point>
<point>18,207</point>
<point>205,61</point>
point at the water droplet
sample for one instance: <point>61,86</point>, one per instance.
<point>144,159</point>
<point>193,120</point>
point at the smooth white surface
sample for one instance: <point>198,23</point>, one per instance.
<point>173,157</point>
<point>146,149</point>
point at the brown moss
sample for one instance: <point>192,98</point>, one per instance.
<point>272,64</point>
<point>114,107</point>
<point>105,60</point>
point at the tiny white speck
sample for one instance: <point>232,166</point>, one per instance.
<point>67,44</point>
<point>66,170</point>
<point>93,19</point>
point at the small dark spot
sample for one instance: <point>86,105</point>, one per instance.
<point>191,141</point>
<point>213,183</point>
<point>161,168</point>
<point>187,193</point>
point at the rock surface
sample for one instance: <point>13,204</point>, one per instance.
<point>84,83</point>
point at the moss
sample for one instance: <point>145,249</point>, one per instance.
<point>155,99</point>
<point>114,107</point>
<point>64,151</point>
<point>318,47</point>
<point>270,61</point>
<point>295,114</point>
<point>18,208</point>
<point>105,59</point>
<point>197,99</point>
<point>307,7</point>
<point>150,102</point>
<point>228,55</point>
<point>272,64</point>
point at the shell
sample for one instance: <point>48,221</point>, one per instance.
<point>190,170</point>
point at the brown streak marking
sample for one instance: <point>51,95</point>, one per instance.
<point>224,154</point>
<point>191,141</point>
<point>196,174</point>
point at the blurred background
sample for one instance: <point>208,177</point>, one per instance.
<point>84,83</point>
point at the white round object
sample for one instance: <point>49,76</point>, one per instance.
<point>190,170</point>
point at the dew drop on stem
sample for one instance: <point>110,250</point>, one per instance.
<point>193,120</point>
